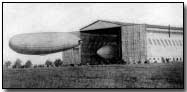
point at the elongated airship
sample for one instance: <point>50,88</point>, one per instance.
<point>43,43</point>
<point>107,52</point>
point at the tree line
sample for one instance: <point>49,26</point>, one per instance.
<point>28,64</point>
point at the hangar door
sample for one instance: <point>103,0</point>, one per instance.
<point>134,43</point>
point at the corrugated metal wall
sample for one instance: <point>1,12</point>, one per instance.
<point>72,56</point>
<point>134,43</point>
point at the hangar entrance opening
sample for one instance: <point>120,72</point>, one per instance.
<point>100,39</point>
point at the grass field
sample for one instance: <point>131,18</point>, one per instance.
<point>102,76</point>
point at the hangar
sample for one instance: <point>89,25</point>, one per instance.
<point>134,43</point>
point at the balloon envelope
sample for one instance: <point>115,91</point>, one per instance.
<point>43,43</point>
<point>107,52</point>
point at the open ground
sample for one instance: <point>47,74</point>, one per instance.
<point>168,75</point>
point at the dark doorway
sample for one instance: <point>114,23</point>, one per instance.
<point>96,39</point>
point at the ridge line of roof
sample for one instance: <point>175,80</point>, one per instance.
<point>125,24</point>
<point>150,25</point>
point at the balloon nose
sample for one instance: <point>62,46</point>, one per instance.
<point>106,52</point>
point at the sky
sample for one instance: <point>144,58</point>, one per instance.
<point>21,18</point>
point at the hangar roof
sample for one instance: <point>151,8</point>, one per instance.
<point>99,24</point>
